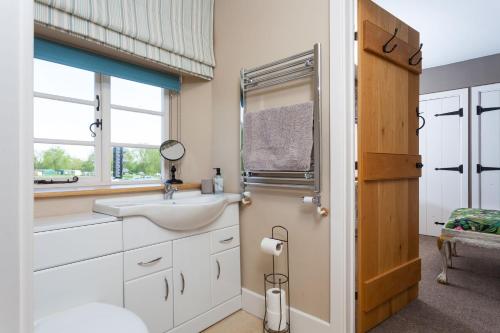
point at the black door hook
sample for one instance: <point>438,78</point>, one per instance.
<point>386,45</point>
<point>423,121</point>
<point>410,61</point>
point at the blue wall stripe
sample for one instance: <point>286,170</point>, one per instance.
<point>65,55</point>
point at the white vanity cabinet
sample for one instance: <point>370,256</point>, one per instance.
<point>225,275</point>
<point>205,272</point>
<point>197,273</point>
<point>175,281</point>
<point>148,289</point>
<point>151,298</point>
<point>191,277</point>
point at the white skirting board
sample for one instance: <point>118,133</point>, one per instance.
<point>301,322</point>
<point>209,318</point>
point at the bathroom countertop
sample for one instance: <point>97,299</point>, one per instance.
<point>70,221</point>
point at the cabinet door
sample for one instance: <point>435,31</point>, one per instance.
<point>151,298</point>
<point>191,277</point>
<point>226,277</point>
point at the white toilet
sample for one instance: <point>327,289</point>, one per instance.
<point>92,318</point>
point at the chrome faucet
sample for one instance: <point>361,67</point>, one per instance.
<point>169,191</point>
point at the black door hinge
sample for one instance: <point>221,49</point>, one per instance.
<point>355,35</point>
<point>356,295</point>
<point>459,112</point>
<point>459,168</point>
<point>480,109</point>
<point>480,168</point>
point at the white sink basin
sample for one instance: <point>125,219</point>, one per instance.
<point>186,211</point>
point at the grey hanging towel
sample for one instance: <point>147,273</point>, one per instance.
<point>279,139</point>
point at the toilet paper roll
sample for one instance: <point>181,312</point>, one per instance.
<point>273,298</point>
<point>271,246</point>
<point>276,319</point>
<point>274,323</point>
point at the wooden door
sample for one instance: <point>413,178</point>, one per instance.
<point>485,147</point>
<point>388,263</point>
<point>444,148</point>
<point>191,277</point>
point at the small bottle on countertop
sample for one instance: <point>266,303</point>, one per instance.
<point>218,182</point>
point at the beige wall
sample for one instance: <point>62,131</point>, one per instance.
<point>249,33</point>
<point>196,129</point>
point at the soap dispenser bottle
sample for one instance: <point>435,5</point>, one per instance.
<point>218,182</point>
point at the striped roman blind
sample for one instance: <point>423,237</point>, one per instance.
<point>174,33</point>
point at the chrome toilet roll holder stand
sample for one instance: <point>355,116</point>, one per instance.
<point>279,278</point>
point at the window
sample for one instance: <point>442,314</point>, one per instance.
<point>136,130</point>
<point>124,149</point>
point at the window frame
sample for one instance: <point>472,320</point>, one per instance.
<point>102,142</point>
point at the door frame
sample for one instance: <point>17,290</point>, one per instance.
<point>342,157</point>
<point>463,94</point>
<point>342,241</point>
<point>474,140</point>
<point>16,239</point>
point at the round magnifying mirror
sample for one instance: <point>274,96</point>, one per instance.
<point>172,150</point>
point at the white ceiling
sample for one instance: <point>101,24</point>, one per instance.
<point>451,30</point>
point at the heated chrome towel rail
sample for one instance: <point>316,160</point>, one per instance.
<point>295,67</point>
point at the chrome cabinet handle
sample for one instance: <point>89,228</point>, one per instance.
<point>227,240</point>
<point>218,268</point>
<point>166,289</point>
<point>183,284</point>
<point>151,262</point>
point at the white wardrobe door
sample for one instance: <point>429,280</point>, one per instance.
<point>443,145</point>
<point>486,148</point>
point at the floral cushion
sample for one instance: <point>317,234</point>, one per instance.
<point>475,219</point>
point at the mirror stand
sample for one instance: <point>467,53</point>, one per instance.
<point>172,151</point>
<point>172,179</point>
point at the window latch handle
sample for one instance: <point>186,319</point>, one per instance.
<point>98,124</point>
<point>98,100</point>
